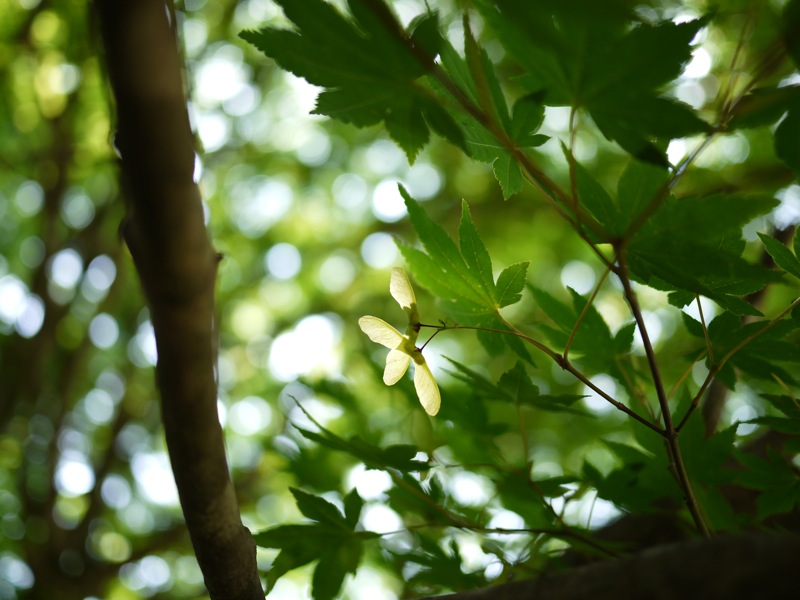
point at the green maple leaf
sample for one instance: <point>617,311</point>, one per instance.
<point>694,246</point>
<point>593,55</point>
<point>369,66</point>
<point>461,275</point>
<point>476,79</point>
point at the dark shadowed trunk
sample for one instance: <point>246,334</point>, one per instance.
<point>177,265</point>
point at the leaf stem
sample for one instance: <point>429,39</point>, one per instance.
<point>717,367</point>
<point>551,531</point>
<point>670,433</point>
<point>454,519</point>
<point>684,375</point>
<point>561,362</point>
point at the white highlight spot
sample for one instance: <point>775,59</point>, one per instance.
<point>12,298</point>
<point>380,519</point>
<point>250,415</point>
<point>579,276</point>
<point>103,331</point>
<point>371,484</point>
<point>699,66</point>
<point>309,347</point>
<point>30,320</point>
<point>387,203</point>
<point>596,403</point>
<point>66,268</point>
<point>74,477</point>
<point>154,478</point>
<point>283,261</point>
<point>470,489</point>
<point>379,250</point>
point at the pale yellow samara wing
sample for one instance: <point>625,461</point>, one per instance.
<point>401,290</point>
<point>396,366</point>
<point>380,332</point>
<point>426,387</point>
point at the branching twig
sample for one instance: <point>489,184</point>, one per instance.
<point>671,434</point>
<point>563,363</point>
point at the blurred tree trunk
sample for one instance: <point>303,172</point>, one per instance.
<point>177,265</point>
<point>746,566</point>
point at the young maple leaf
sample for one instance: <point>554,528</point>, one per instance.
<point>402,347</point>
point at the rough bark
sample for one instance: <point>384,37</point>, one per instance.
<point>748,566</point>
<point>177,266</point>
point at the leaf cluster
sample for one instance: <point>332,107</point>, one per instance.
<point>331,539</point>
<point>618,68</point>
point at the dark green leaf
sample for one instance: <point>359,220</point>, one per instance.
<point>372,456</point>
<point>596,200</point>
<point>425,36</point>
<point>299,545</point>
<point>623,340</point>
<point>442,567</point>
<point>694,245</point>
<point>764,106</point>
<point>435,279</point>
<point>639,185</point>
<point>482,71</point>
<point>782,256</point>
<point>588,55</point>
<point>476,81</point>
<point>317,508</point>
<point>443,124</point>
<point>790,23</point>
<point>528,115</point>
<point>291,536</point>
<point>517,385</point>
<point>333,565</point>
<point>694,326</point>
<point>291,559</point>
<point>634,123</point>
<point>475,380</point>
<point>406,125</point>
<point>352,508</point>
<point>510,284</point>
<point>369,68</point>
<point>786,137</point>
<point>786,404</point>
<point>526,498</point>
<point>796,244</point>
<point>790,426</point>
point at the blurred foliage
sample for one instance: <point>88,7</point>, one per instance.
<point>524,461</point>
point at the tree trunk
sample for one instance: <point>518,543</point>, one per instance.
<point>724,567</point>
<point>177,265</point>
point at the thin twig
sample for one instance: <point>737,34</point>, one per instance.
<point>671,435</point>
<point>716,368</point>
<point>563,363</point>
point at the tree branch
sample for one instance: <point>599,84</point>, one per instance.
<point>177,266</point>
<point>748,566</point>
